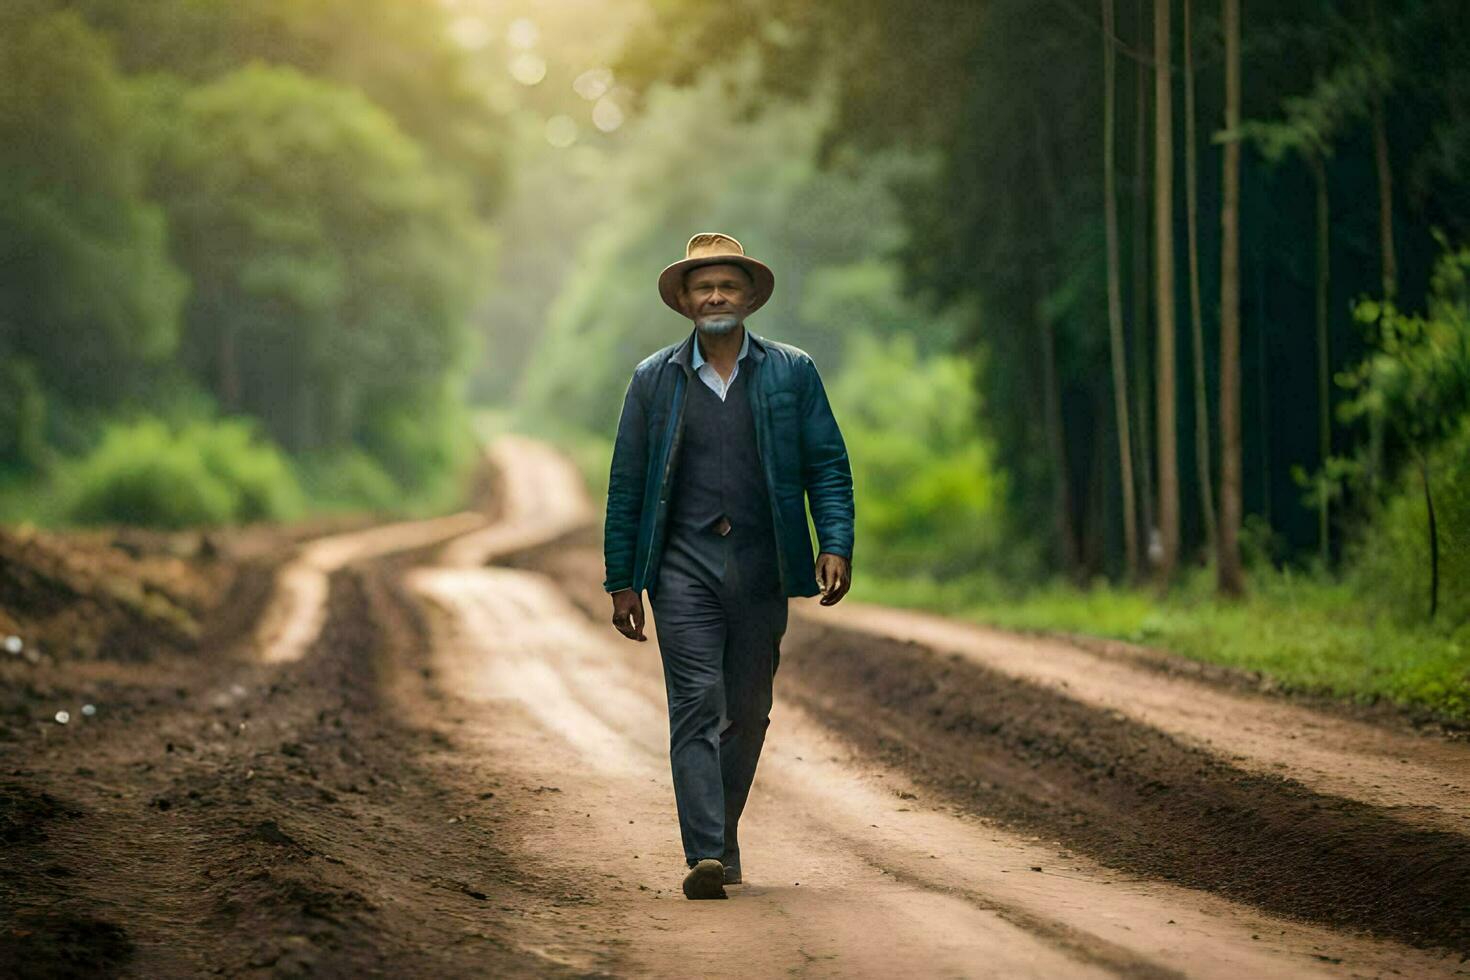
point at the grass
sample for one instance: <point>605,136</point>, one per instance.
<point>1305,632</point>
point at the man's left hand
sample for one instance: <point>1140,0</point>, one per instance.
<point>834,574</point>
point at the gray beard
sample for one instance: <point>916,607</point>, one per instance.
<point>718,326</point>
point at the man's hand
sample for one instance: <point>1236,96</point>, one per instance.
<point>628,613</point>
<point>834,574</point>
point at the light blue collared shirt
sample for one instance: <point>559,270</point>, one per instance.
<point>710,376</point>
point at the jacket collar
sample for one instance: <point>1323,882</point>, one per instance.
<point>683,354</point>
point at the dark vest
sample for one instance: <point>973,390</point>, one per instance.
<point>719,469</point>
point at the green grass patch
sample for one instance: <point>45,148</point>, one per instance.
<point>1306,633</point>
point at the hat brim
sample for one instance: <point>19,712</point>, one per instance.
<point>672,278</point>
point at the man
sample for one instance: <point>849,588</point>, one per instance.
<point>720,437</point>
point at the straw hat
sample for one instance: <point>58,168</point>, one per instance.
<point>713,248</point>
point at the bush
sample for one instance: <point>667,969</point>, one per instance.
<point>206,473</point>
<point>928,493</point>
<point>1390,562</point>
<point>349,479</point>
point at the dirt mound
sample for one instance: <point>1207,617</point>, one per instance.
<point>1129,795</point>
<point>114,596</point>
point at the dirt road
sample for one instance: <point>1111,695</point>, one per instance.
<point>447,763</point>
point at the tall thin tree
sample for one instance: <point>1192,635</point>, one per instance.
<point>1378,116</point>
<point>1229,571</point>
<point>1115,291</point>
<point>1196,318</point>
<point>1164,295</point>
<point>1142,398</point>
<point>1317,164</point>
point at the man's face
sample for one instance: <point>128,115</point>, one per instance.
<point>717,297</point>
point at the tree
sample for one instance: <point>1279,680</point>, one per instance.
<point>1164,294</point>
<point>1196,319</point>
<point>399,55</point>
<point>1139,240</point>
<point>333,269</point>
<point>1115,290</point>
<point>88,296</point>
<point>1230,575</point>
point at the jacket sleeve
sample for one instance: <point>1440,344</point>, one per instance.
<point>625,486</point>
<point>825,469</point>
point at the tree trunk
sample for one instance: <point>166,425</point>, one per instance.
<point>1324,370</point>
<point>1164,295</point>
<point>1143,398</point>
<point>1230,576</point>
<point>1385,169</point>
<point>1196,316</point>
<point>1385,200</point>
<point>1115,294</point>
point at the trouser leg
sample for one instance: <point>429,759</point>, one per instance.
<point>690,623</point>
<point>755,626</point>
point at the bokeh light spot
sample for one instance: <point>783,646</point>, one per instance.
<point>607,115</point>
<point>561,131</point>
<point>528,68</point>
<point>593,83</point>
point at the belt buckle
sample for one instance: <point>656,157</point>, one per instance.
<point>722,526</point>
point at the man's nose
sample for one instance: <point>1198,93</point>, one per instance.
<point>716,298</point>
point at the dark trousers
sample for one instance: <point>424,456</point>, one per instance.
<point>720,614</point>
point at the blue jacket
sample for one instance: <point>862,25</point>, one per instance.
<point>801,451</point>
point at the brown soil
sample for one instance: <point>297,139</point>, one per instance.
<point>218,815</point>
<point>1129,795</point>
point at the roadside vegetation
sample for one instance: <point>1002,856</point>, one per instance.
<point>240,259</point>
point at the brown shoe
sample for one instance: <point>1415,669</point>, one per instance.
<point>705,880</point>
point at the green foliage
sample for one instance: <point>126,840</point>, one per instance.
<point>1415,382</point>
<point>333,269</point>
<point>397,54</point>
<point>22,415</point>
<point>423,442</point>
<point>301,243</point>
<point>928,496</point>
<point>1389,561</point>
<point>348,479</point>
<point>87,293</point>
<point>1417,378</point>
<point>204,474</point>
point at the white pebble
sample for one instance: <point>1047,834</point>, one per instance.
<point>62,717</point>
<point>14,644</point>
<point>89,710</point>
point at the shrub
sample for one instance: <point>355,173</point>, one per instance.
<point>349,479</point>
<point>1390,562</point>
<point>146,473</point>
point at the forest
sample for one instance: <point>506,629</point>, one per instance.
<point>1142,319</point>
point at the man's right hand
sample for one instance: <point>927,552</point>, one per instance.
<point>628,613</point>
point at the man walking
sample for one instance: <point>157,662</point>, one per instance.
<point>723,439</point>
